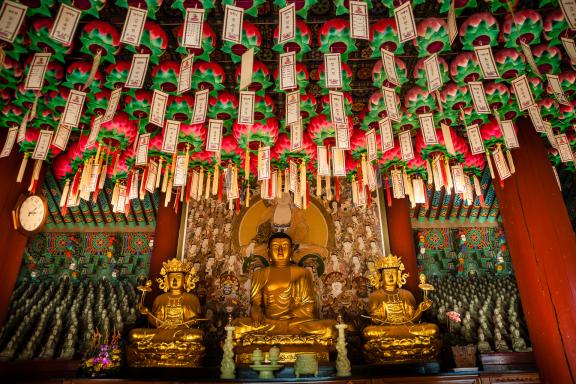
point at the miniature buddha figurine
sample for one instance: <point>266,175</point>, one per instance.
<point>173,342</point>
<point>283,302</point>
<point>397,335</point>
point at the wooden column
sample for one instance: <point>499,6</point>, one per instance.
<point>543,250</point>
<point>401,239</point>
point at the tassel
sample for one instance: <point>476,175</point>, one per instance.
<point>219,184</point>
<point>189,187</point>
<point>510,162</point>
<point>318,185</point>
<point>337,188</point>
<point>442,173</point>
<point>436,174</point>
<point>247,163</point>
<point>328,188</point>
<point>22,168</point>
<point>426,202</point>
<point>279,184</point>
<point>208,190</point>
<point>102,179</point>
<point>359,175</point>
<point>368,198</point>
<point>490,165</point>
<point>364,167</point>
<point>303,183</point>
<point>354,192</point>
<point>200,184</point>
<point>388,195</point>
<point>217,179</point>
<point>64,196</point>
<point>142,192</point>
<point>177,200</point>
<point>76,183</point>
<point>165,178</point>
<point>247,197</point>
<point>34,107</point>
<point>286,180</point>
<point>238,205</point>
<point>449,181</point>
<point>429,172</point>
<point>270,185</point>
<point>93,70</point>
<point>129,185</point>
<point>159,173</point>
<point>115,195</point>
<point>194,187</point>
<point>168,194</point>
<point>35,176</point>
<point>478,191</point>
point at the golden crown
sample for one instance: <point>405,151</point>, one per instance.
<point>175,265</point>
<point>389,261</point>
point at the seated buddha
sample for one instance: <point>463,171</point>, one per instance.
<point>397,335</point>
<point>282,305</point>
<point>172,342</point>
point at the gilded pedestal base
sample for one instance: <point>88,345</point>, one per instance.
<point>290,346</point>
<point>390,350</point>
<point>147,353</point>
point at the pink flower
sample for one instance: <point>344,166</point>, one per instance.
<point>453,316</point>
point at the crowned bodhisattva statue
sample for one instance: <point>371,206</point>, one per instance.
<point>173,342</point>
<point>397,335</point>
<point>282,306</point>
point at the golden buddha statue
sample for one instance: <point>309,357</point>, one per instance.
<point>282,309</point>
<point>173,342</point>
<point>397,335</point>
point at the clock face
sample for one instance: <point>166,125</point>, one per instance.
<point>32,213</point>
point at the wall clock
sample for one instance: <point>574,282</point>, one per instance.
<point>30,214</point>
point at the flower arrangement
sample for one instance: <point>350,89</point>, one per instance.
<point>104,356</point>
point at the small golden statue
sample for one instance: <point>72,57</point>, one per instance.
<point>397,335</point>
<point>282,309</point>
<point>173,342</point>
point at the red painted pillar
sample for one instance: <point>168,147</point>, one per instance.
<point>543,250</point>
<point>402,239</point>
<point>12,242</point>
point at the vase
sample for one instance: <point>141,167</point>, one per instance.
<point>464,355</point>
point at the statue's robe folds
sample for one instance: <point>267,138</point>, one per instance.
<point>288,307</point>
<point>176,315</point>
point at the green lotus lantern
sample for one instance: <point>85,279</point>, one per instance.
<point>455,97</point>
<point>566,117</point>
<point>548,59</point>
<point>346,78</point>
<point>78,74</point>
<point>548,109</point>
<point>536,86</point>
<point>321,130</point>
<point>420,72</point>
<point>459,6</point>
<point>299,44</point>
<point>380,77</point>
<point>56,100</point>
<point>302,77</point>
<point>180,108</point>
<point>100,38</point>
<point>555,27</point>
<point>24,98</point>
<point>334,37</point>
<point>154,41</point>
<point>262,133</point>
<point>384,35</point>
<point>223,106</point>
<point>325,104</point>
<point>510,63</point>
<point>568,82</point>
<point>431,37</point>
<point>151,5</point>
<point>193,135</point>
<point>499,6</point>
<point>497,94</point>
<point>182,5</point>
<point>38,7</point>
<point>375,110</point>
<point>120,132</point>
<point>302,7</point>
<point>117,74</point>
<point>208,75</point>
<point>263,107</point>
<point>419,100</point>
<point>19,46</point>
<point>98,102</point>
<point>45,119</point>
<point>165,77</point>
<point>480,29</point>
<point>407,121</point>
<point>207,44</point>
<point>11,116</point>
<point>88,7</point>
<point>391,4</point>
<point>525,27</point>
<point>260,78</point>
<point>250,6</point>
<point>473,117</point>
<point>343,5</point>
<point>10,74</point>
<point>251,38</point>
<point>137,106</point>
<point>308,105</point>
<point>464,68</point>
<point>40,40</point>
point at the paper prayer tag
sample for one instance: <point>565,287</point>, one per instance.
<point>501,166</point>
<point>428,128</point>
<point>246,68</point>
<point>142,149</point>
<point>12,16</point>
<point>371,145</point>
<point>486,61</point>
<point>509,134</point>
<point>287,21</point>
<point>475,139</point>
<point>73,109</point>
<point>338,162</point>
<point>342,132</point>
<point>288,71</point>
<point>386,134</point>
<point>94,131</point>
<point>60,140</point>
<point>530,58</point>
<point>200,106</point>
<point>406,148</point>
<point>185,74</point>
<point>523,93</point>
<point>112,105</point>
<point>264,163</point>
<point>42,145</point>
<point>479,97</point>
<point>389,65</point>
<point>332,71</point>
<point>214,135</point>
<point>9,143</point>
<point>292,107</point>
<point>170,137</point>
<point>323,164</point>
<point>138,69</point>
<point>36,71</point>
<point>193,28</point>
<point>405,22</point>
<point>152,175</point>
<point>359,23</point>
<point>556,87</point>
<point>158,107</point>
<point>246,107</point>
<point>389,95</point>
<point>570,48</point>
<point>180,171</point>
<point>447,136</point>
<point>569,10</point>
<point>537,122</point>
<point>451,23</point>
<point>433,76</point>
<point>133,26</point>
<point>564,149</point>
<point>296,136</point>
<point>233,20</point>
<point>337,108</point>
<point>65,24</point>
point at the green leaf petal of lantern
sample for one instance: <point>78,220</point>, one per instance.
<point>223,106</point>
<point>207,45</point>
<point>302,77</point>
<point>480,29</point>
<point>510,111</point>
<point>527,27</point>
<point>308,105</point>
<point>11,116</point>
<point>420,72</point>
<point>325,104</point>
<point>384,34</point>
<point>193,134</point>
<point>56,100</point>
<point>182,5</point>
<point>391,4</point>
<point>302,7</point>
<point>459,6</point>
<point>120,132</point>
<point>555,27</point>
<point>202,159</point>
<point>88,7</point>
<point>464,68</point>
<point>497,5</point>
<point>154,42</point>
<point>230,152</point>
<point>24,98</point>
<point>165,77</point>
<point>359,146</point>
<point>260,134</point>
<point>548,109</point>
<point>408,121</point>
<point>346,78</point>
<point>568,82</point>
<point>428,151</point>
<point>251,38</point>
<point>121,169</point>
<point>155,149</point>
<point>320,130</point>
<point>369,120</point>
<point>299,44</point>
<point>334,37</point>
<point>97,102</point>
<point>152,5</point>
<point>510,63</point>
<point>263,107</point>
<point>417,167</point>
<point>41,7</point>
<point>260,78</point>
<point>473,117</point>
<point>78,73</point>
<point>380,78</point>
<point>19,46</point>
<point>374,112</point>
<point>431,37</point>
<point>137,106</point>
<point>100,36</point>
<point>536,86</point>
<point>30,140</point>
<point>40,40</point>
<point>455,97</point>
<point>208,75</point>
<point>554,156</point>
<point>250,6</point>
<point>391,158</point>
<point>491,134</point>
<point>180,108</point>
<point>419,100</point>
<point>497,94</point>
<point>284,154</point>
<point>566,117</point>
<point>343,5</point>
<point>45,119</point>
<point>10,74</point>
<point>117,74</point>
<point>446,117</point>
<point>548,59</point>
<point>52,77</point>
<point>474,164</point>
